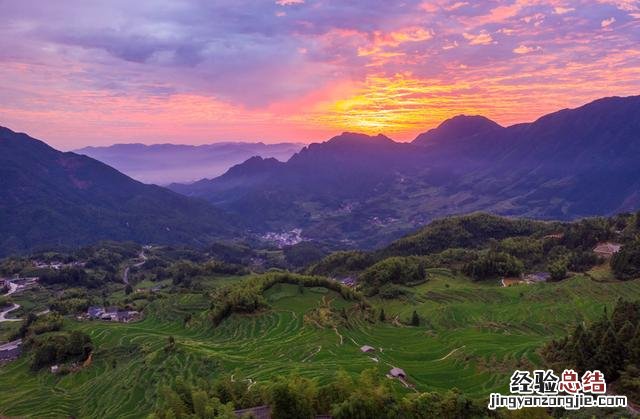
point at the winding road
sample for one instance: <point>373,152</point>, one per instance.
<point>125,273</point>
<point>3,314</point>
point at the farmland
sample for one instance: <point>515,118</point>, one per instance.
<point>472,335</point>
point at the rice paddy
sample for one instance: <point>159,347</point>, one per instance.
<point>472,336</point>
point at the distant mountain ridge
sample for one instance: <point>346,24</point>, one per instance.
<point>367,190</point>
<point>461,126</point>
<point>163,164</point>
<point>50,199</point>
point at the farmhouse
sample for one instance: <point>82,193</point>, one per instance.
<point>607,249</point>
<point>95,312</point>
<point>367,348</point>
<point>10,351</point>
<point>397,373</point>
<point>349,281</point>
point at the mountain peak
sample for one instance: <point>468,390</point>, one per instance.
<point>358,138</point>
<point>460,126</point>
<point>254,165</point>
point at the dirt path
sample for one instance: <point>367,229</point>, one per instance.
<point>313,354</point>
<point>451,353</point>
<point>339,335</point>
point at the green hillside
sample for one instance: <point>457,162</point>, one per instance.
<point>472,336</point>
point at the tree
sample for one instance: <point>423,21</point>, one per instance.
<point>415,319</point>
<point>171,344</point>
<point>558,270</point>
<point>292,398</point>
<point>383,317</point>
<point>128,289</point>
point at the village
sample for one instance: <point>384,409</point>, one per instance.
<point>113,314</point>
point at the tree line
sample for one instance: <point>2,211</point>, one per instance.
<point>611,345</point>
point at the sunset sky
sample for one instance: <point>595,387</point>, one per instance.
<point>78,73</point>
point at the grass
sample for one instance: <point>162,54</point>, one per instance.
<point>472,337</point>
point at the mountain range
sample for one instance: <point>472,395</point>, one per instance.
<point>367,190</point>
<point>53,199</point>
<point>352,190</point>
<point>162,164</point>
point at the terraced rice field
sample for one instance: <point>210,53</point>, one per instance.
<point>472,337</point>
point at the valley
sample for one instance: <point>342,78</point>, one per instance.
<point>471,334</point>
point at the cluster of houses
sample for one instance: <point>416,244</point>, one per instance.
<point>287,238</point>
<point>348,281</point>
<point>56,265</point>
<point>10,351</point>
<point>113,314</point>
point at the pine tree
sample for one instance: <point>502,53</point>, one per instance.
<point>623,312</point>
<point>625,336</point>
<point>582,352</point>
<point>383,317</point>
<point>634,348</point>
<point>415,319</point>
<point>610,355</point>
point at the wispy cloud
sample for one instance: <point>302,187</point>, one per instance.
<point>192,70</point>
<point>288,2</point>
<point>482,38</point>
<point>559,10</point>
<point>524,49</point>
<point>608,22</point>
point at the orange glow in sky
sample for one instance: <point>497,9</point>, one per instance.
<point>192,72</point>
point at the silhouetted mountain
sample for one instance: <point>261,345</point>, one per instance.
<point>50,198</point>
<point>461,126</point>
<point>356,188</point>
<point>251,172</point>
<point>168,163</point>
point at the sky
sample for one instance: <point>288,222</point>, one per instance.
<point>85,72</point>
